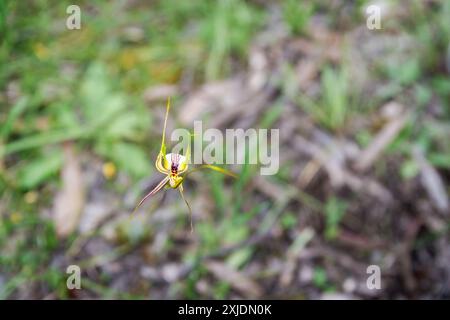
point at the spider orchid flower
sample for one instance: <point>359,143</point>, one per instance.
<point>175,167</point>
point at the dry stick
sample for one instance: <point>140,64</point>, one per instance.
<point>272,190</point>
<point>432,182</point>
<point>370,155</point>
<point>339,175</point>
<point>292,255</point>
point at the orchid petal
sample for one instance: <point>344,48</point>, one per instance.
<point>187,203</point>
<point>155,190</point>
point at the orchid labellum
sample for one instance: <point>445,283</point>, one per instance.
<point>175,167</point>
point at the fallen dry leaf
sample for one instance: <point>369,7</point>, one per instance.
<point>383,138</point>
<point>69,201</point>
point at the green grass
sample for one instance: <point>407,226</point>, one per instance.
<point>296,15</point>
<point>335,210</point>
<point>335,104</point>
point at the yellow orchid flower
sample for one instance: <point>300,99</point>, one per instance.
<point>175,167</point>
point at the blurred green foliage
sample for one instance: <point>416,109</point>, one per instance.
<point>86,86</point>
<point>297,15</point>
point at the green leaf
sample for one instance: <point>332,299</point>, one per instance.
<point>39,170</point>
<point>13,114</point>
<point>94,89</point>
<point>106,112</point>
<point>42,139</point>
<point>127,126</point>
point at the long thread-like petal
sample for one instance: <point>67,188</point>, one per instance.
<point>155,190</point>
<point>215,168</point>
<point>180,187</point>
<point>163,139</point>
